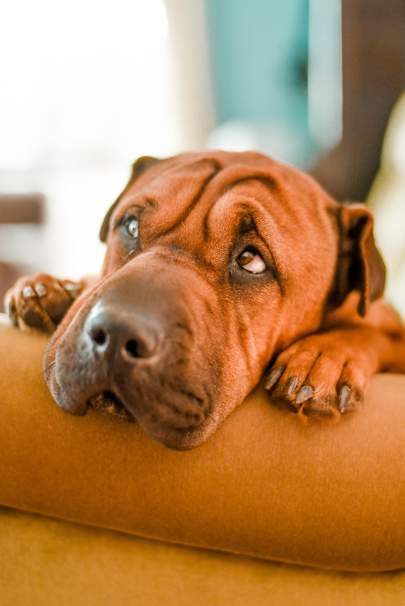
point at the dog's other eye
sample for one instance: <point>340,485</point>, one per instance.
<point>131,225</point>
<point>250,260</point>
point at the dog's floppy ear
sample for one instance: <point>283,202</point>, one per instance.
<point>139,166</point>
<point>359,263</point>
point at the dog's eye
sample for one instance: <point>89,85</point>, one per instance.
<point>250,260</point>
<point>131,225</point>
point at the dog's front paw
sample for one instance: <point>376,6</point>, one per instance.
<point>40,301</point>
<point>323,374</point>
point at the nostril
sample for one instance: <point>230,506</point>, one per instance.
<point>132,348</point>
<point>99,336</point>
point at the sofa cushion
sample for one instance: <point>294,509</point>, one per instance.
<point>73,564</point>
<point>321,494</point>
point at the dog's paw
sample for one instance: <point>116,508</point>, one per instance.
<point>40,301</point>
<point>322,375</point>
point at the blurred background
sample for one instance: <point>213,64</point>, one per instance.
<point>86,86</point>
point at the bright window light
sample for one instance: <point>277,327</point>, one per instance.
<point>83,81</point>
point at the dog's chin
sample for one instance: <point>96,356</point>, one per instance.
<point>179,438</point>
<point>107,402</point>
<point>174,434</point>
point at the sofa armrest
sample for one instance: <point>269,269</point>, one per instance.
<point>321,494</point>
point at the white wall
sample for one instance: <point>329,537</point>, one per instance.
<point>89,86</point>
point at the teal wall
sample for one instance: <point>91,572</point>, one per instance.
<point>259,56</point>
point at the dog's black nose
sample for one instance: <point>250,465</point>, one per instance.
<point>131,336</point>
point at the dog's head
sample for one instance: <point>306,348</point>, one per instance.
<point>215,261</point>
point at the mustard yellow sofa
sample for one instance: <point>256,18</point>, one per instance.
<point>269,511</point>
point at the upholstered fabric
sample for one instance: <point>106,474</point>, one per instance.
<point>331,496</point>
<point>54,563</point>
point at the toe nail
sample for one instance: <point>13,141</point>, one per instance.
<point>72,288</point>
<point>9,305</point>
<point>41,289</point>
<point>344,398</point>
<point>292,385</point>
<point>274,376</point>
<point>28,292</point>
<point>305,393</point>
<point>11,309</point>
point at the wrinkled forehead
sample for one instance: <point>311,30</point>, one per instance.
<point>207,194</point>
<point>198,204</point>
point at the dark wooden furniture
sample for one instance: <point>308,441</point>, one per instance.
<point>373,63</point>
<point>17,209</point>
<point>21,208</point>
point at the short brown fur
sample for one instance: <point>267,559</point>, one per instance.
<point>316,315</point>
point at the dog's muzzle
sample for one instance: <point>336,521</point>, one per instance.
<point>134,353</point>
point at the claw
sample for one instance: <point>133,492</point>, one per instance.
<point>11,310</point>
<point>291,386</point>
<point>344,396</point>
<point>273,377</point>
<point>28,293</point>
<point>71,287</point>
<point>305,393</point>
<point>41,290</point>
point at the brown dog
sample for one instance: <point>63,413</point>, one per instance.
<point>217,264</point>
